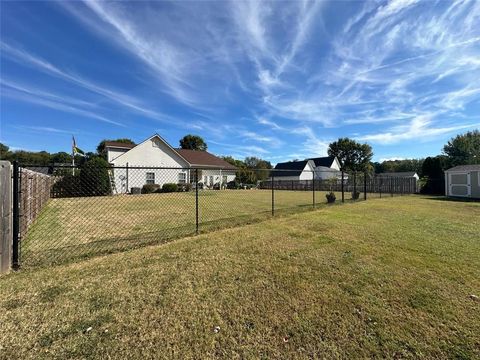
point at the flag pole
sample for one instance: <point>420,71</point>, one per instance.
<point>73,155</point>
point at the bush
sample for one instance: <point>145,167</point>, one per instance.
<point>68,185</point>
<point>150,188</point>
<point>184,187</point>
<point>432,186</point>
<point>94,177</point>
<point>355,195</point>
<point>330,197</point>
<point>169,187</point>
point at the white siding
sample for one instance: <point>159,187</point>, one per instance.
<point>113,153</point>
<point>215,176</point>
<point>151,153</point>
<point>323,173</point>
<point>154,153</point>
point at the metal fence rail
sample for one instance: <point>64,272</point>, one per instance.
<point>85,211</point>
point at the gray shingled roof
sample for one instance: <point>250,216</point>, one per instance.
<point>465,168</point>
<point>326,161</point>
<point>291,168</point>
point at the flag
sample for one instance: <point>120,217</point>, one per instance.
<point>75,149</point>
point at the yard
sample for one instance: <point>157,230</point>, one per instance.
<point>390,278</point>
<point>69,228</point>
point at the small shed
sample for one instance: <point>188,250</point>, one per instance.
<point>463,181</point>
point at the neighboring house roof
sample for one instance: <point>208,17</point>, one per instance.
<point>204,158</point>
<point>325,161</point>
<point>117,144</point>
<point>465,168</point>
<point>291,168</point>
<point>405,174</point>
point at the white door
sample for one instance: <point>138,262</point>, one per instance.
<point>459,184</point>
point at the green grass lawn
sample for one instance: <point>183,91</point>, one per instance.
<point>387,278</point>
<point>70,228</point>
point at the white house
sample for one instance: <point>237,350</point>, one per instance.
<point>294,170</point>
<point>322,168</point>
<point>327,167</point>
<point>154,161</point>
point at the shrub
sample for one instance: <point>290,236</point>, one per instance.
<point>355,195</point>
<point>150,188</point>
<point>169,187</point>
<point>94,177</point>
<point>184,187</point>
<point>330,197</point>
<point>68,185</point>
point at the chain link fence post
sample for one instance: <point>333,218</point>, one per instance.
<point>126,180</point>
<point>365,185</point>
<point>273,194</point>
<point>16,216</point>
<point>343,186</point>
<point>196,201</point>
<point>313,188</point>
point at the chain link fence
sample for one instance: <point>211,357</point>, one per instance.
<point>94,210</point>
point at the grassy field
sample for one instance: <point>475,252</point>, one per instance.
<point>69,228</point>
<point>388,278</point>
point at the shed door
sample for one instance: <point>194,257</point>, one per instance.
<point>460,184</point>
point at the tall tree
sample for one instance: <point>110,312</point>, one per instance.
<point>353,156</point>
<point>432,173</point>
<point>4,151</point>
<point>463,149</point>
<point>193,142</point>
<point>101,146</point>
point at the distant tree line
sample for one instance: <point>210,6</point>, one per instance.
<point>463,149</point>
<point>250,170</point>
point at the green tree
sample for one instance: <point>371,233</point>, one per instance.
<point>399,166</point>
<point>94,178</point>
<point>259,167</point>
<point>193,142</point>
<point>432,175</point>
<point>61,158</point>
<point>353,156</point>
<point>4,151</point>
<point>101,146</point>
<point>463,149</point>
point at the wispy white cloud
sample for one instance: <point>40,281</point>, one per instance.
<point>38,63</point>
<point>421,129</point>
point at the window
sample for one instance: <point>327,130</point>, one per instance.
<point>182,178</point>
<point>224,179</point>
<point>205,179</point>
<point>150,178</point>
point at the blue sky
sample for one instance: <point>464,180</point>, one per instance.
<point>279,80</point>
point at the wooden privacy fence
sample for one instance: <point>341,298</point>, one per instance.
<point>35,190</point>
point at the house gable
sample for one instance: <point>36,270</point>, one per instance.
<point>327,162</point>
<point>154,152</point>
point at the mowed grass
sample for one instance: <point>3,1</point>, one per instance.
<point>389,278</point>
<point>68,228</point>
